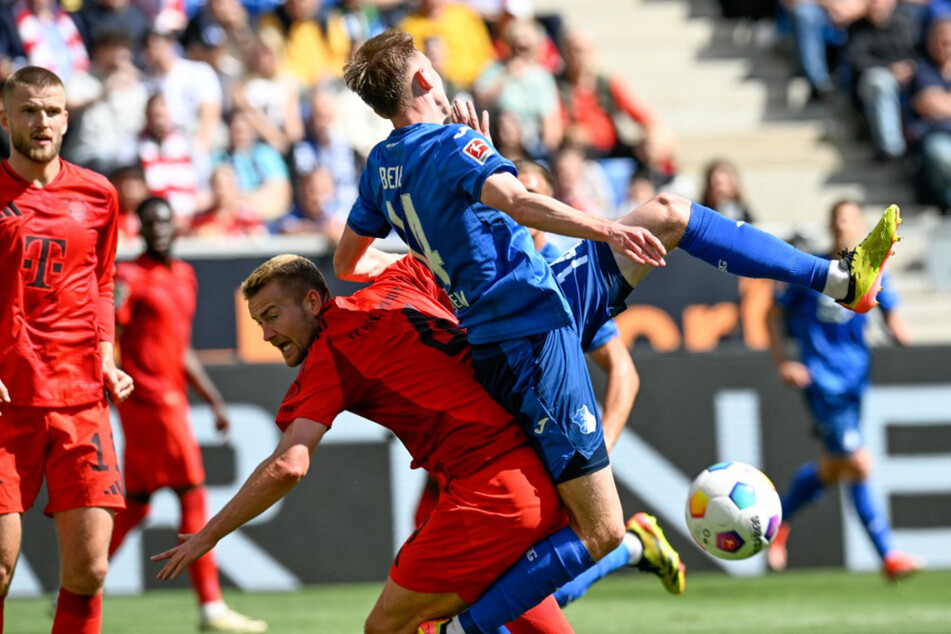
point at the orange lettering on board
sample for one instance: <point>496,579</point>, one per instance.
<point>649,322</point>
<point>704,326</point>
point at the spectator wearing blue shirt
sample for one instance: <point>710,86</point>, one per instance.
<point>261,173</point>
<point>832,371</point>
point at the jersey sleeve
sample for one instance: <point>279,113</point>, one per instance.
<point>605,333</point>
<point>887,297</point>
<point>106,267</point>
<point>466,159</point>
<point>366,218</point>
<point>316,394</point>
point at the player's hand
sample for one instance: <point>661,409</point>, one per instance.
<point>4,395</point>
<point>190,550</point>
<point>222,422</point>
<point>465,113</point>
<point>637,243</point>
<point>118,383</point>
<point>795,374</point>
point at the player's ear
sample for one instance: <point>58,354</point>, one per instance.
<point>420,78</point>
<point>313,302</point>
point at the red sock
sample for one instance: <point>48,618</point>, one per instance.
<point>204,572</point>
<point>127,519</point>
<point>77,614</point>
<point>544,618</point>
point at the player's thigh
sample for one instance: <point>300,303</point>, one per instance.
<point>595,510</point>
<point>23,440</point>
<point>11,535</point>
<point>82,469</point>
<point>543,380</point>
<point>400,610</point>
<point>84,535</point>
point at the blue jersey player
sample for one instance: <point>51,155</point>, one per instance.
<point>832,371</point>
<point>458,206</point>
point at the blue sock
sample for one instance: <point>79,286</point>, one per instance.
<point>577,587</point>
<point>744,250</point>
<point>872,517</point>
<point>806,487</point>
<point>546,566</point>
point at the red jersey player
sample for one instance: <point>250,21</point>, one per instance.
<point>156,296</point>
<point>58,232</point>
<point>393,352</point>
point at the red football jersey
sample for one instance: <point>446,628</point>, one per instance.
<point>65,265</point>
<point>155,305</point>
<point>394,353</point>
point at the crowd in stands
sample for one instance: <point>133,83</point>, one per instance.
<point>235,111</point>
<point>890,61</point>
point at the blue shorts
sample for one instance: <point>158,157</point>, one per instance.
<point>593,285</point>
<point>544,380</point>
<point>837,419</point>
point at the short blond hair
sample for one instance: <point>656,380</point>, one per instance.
<point>378,69</point>
<point>295,273</point>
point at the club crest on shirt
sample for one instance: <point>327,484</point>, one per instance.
<point>478,150</point>
<point>585,420</point>
<point>77,209</point>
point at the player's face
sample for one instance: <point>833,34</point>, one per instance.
<point>158,229</point>
<point>848,226</point>
<point>36,120</point>
<point>286,323</point>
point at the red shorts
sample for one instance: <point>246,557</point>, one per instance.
<point>71,446</point>
<point>160,447</point>
<point>480,527</point>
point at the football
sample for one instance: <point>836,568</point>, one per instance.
<point>733,510</point>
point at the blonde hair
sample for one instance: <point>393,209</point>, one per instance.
<point>295,273</point>
<point>377,71</point>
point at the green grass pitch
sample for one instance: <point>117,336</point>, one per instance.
<point>797,602</point>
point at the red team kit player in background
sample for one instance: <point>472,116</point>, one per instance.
<point>57,251</point>
<point>156,296</point>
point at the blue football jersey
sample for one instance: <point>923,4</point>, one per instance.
<point>831,337</point>
<point>607,331</point>
<point>425,181</point>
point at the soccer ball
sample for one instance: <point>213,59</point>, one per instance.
<point>733,510</point>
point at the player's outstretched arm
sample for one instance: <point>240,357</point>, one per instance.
<point>271,480</point>
<point>503,191</point>
<point>197,377</point>
<point>898,328</point>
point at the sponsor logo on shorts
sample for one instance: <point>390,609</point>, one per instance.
<point>585,420</point>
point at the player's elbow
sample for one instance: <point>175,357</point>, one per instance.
<point>342,265</point>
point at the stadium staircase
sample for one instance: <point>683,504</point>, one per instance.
<point>730,93</point>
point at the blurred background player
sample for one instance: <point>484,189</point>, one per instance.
<point>156,295</point>
<point>58,237</point>
<point>833,372</point>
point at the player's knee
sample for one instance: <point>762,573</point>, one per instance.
<point>6,577</point>
<point>87,578</point>
<point>379,623</point>
<point>606,538</point>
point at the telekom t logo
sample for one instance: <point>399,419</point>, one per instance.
<point>43,256</point>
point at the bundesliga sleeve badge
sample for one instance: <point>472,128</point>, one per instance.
<point>478,150</point>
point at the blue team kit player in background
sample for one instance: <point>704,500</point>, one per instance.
<point>458,205</point>
<point>833,372</point>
